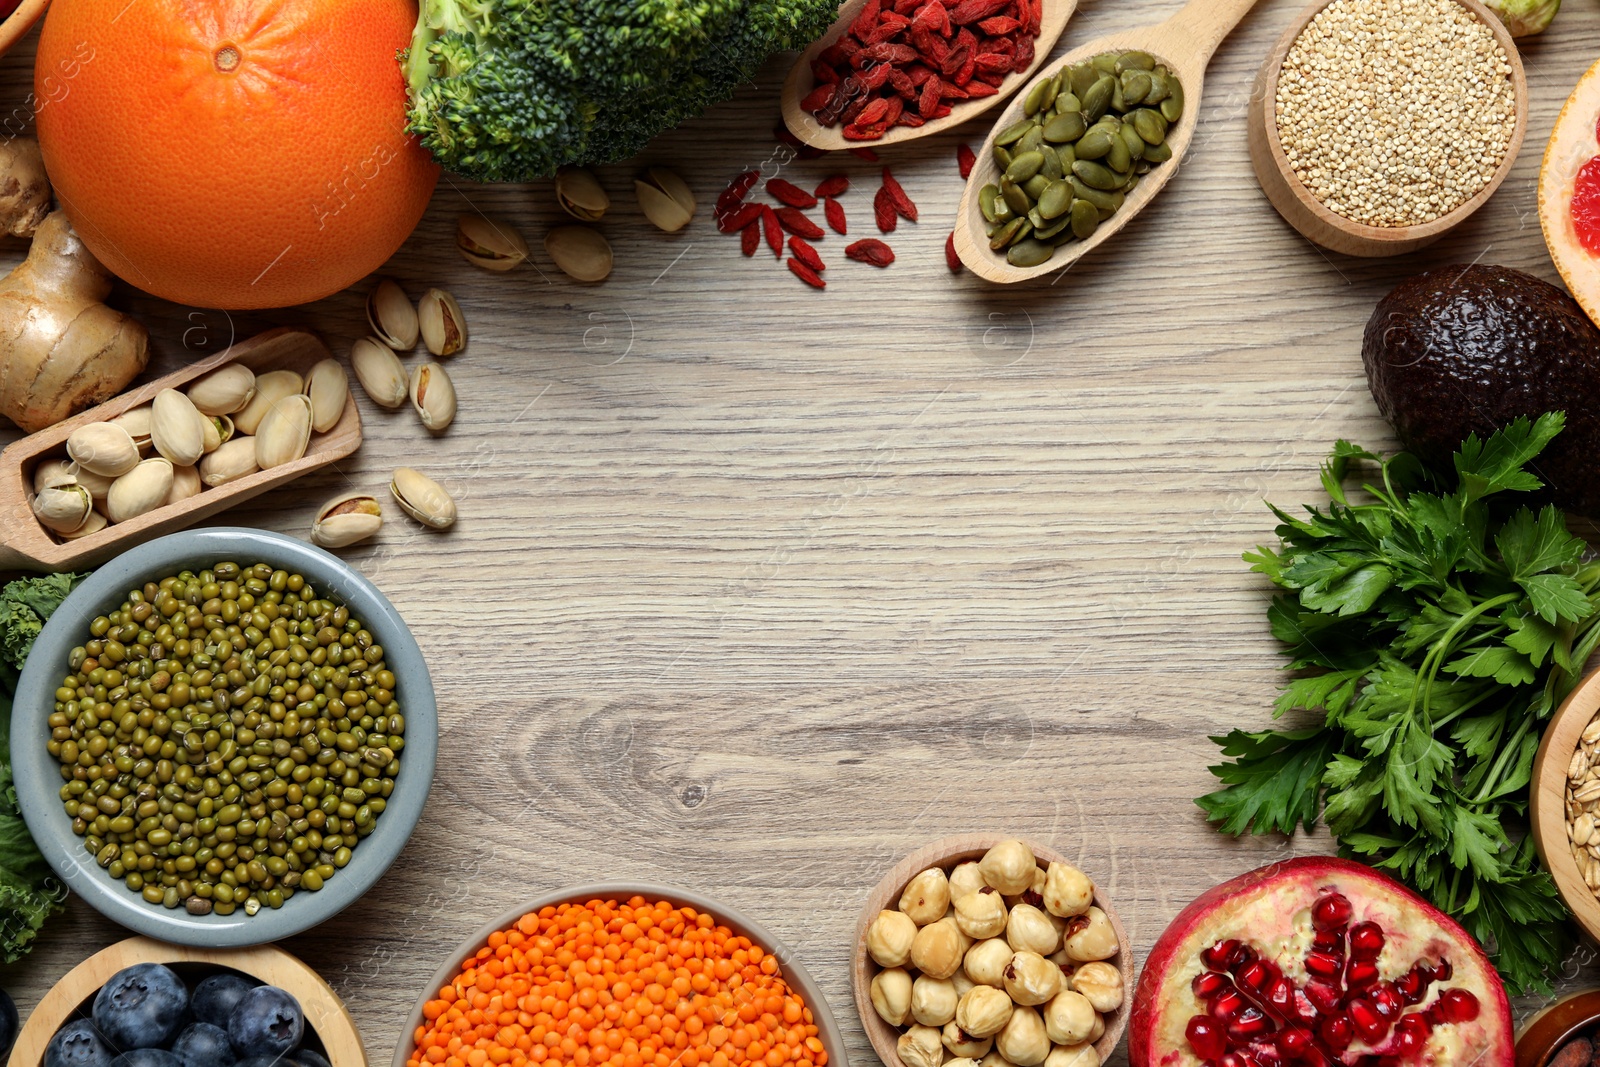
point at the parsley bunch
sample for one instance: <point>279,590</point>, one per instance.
<point>1438,626</point>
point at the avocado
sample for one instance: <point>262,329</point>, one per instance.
<point>1466,349</point>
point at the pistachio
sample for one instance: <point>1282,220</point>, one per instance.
<point>177,428</point>
<point>579,193</point>
<point>103,448</point>
<point>97,484</point>
<point>137,422</point>
<point>234,460</point>
<point>284,432</point>
<point>379,371</point>
<point>219,431</point>
<point>92,525</point>
<point>665,200</point>
<point>142,489</point>
<point>434,396</point>
<point>62,508</point>
<point>490,243</point>
<point>422,498</point>
<point>392,316</point>
<point>444,328</point>
<point>346,519</point>
<point>328,388</point>
<point>52,472</point>
<point>185,483</point>
<point>271,387</point>
<point>581,253</point>
<point>224,391</point>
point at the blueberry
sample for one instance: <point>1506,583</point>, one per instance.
<point>267,1061</point>
<point>308,1058</point>
<point>217,996</point>
<point>267,1022</point>
<point>143,1006</point>
<point>8,1023</point>
<point>77,1044</point>
<point>204,1045</point>
<point>147,1057</point>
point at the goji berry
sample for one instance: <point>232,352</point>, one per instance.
<point>897,196</point>
<point>999,24</point>
<point>870,250</point>
<point>883,211</point>
<point>774,228</point>
<point>833,185</point>
<point>792,220</point>
<point>818,98</point>
<point>739,218</point>
<point>806,274</point>
<point>929,100</point>
<point>750,239</point>
<point>734,194</point>
<point>965,158</point>
<point>951,260</point>
<point>835,213</point>
<point>790,193</point>
<point>806,254</point>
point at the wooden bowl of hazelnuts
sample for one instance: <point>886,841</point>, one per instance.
<point>986,951</point>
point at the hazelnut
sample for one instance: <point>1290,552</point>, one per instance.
<point>1101,983</point>
<point>920,1046</point>
<point>994,1059</point>
<point>1068,1018</point>
<point>1098,1030</point>
<point>1031,979</point>
<point>1073,1056</point>
<point>1023,1040</point>
<point>962,981</point>
<point>961,1061</point>
<point>981,914</point>
<point>938,948</point>
<point>889,938</point>
<point>984,1011</point>
<point>926,897</point>
<point>965,878</point>
<point>960,1043</point>
<point>1034,894</point>
<point>1009,867</point>
<point>1030,930</point>
<point>933,1001</point>
<point>1090,936</point>
<point>891,996</point>
<point>1067,890</point>
<point>985,962</point>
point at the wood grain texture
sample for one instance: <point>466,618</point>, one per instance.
<point>1328,228</point>
<point>757,589</point>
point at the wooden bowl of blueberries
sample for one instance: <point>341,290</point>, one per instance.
<point>145,1003</point>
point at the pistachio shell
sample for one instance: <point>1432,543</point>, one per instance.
<point>177,428</point>
<point>580,252</point>
<point>62,508</point>
<point>433,394</point>
<point>328,387</point>
<point>284,432</point>
<point>185,484</point>
<point>379,371</point>
<point>142,489</point>
<point>52,472</point>
<point>97,484</point>
<point>346,519</point>
<point>137,422</point>
<point>580,195</point>
<point>665,199</point>
<point>392,316</point>
<point>444,328</point>
<point>490,243</point>
<point>271,387</point>
<point>103,448</point>
<point>219,431</point>
<point>235,459</point>
<point>223,391</point>
<point>423,498</point>
<point>92,525</point>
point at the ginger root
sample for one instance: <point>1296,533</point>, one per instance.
<point>61,349</point>
<point>24,189</point>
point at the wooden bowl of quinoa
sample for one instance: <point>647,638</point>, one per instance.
<point>1368,151</point>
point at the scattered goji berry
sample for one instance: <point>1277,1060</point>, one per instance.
<point>965,158</point>
<point>835,213</point>
<point>739,218</point>
<point>951,260</point>
<point>806,274</point>
<point>835,185</point>
<point>870,250</point>
<point>883,211</point>
<point>806,254</point>
<point>734,194</point>
<point>750,239</point>
<point>897,196</point>
<point>774,228</point>
<point>790,193</point>
<point>792,220</point>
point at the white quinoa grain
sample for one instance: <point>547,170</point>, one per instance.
<point>1395,112</point>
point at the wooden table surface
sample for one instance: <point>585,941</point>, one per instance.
<point>757,588</point>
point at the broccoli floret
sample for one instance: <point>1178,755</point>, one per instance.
<point>510,90</point>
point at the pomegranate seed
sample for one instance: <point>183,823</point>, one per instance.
<point>1455,1006</point>
<point>1331,911</point>
<point>1360,974</point>
<point>1243,956</point>
<point>1208,984</point>
<point>1314,1057</point>
<point>1324,997</point>
<point>1253,976</point>
<point>1328,941</point>
<point>1366,941</point>
<point>1386,1002</point>
<point>1442,971</point>
<point>1368,1023</point>
<point>1236,1059</point>
<point>1206,1037</point>
<point>1218,956</point>
<point>1280,996</point>
<point>1293,1040</point>
<point>1409,987</point>
<point>1324,964</point>
<point>1411,1034</point>
<point>1337,1032</point>
<point>1250,1023</point>
<point>1227,1004</point>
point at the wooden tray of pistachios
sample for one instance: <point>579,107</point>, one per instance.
<point>174,451</point>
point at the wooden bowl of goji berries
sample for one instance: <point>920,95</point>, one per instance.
<point>622,975</point>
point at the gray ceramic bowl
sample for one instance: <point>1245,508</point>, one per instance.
<point>38,775</point>
<point>793,972</point>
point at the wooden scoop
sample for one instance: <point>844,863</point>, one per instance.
<point>26,545</point>
<point>1185,43</point>
<point>799,83</point>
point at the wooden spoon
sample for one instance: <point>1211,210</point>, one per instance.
<point>1185,43</point>
<point>799,83</point>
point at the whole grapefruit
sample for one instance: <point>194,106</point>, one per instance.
<point>232,153</point>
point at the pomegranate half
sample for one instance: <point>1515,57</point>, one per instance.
<point>1317,961</point>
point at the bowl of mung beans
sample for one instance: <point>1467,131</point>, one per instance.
<point>223,737</point>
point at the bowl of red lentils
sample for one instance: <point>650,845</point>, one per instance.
<point>621,975</point>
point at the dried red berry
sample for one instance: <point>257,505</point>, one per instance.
<point>835,214</point>
<point>818,98</point>
<point>734,194</point>
<point>870,250</point>
<point>834,185</point>
<point>774,227</point>
<point>739,218</point>
<point>792,220</point>
<point>951,260</point>
<point>883,211</point>
<point>897,196</point>
<point>790,193</point>
<point>806,274</point>
<point>806,254</point>
<point>750,239</point>
<point>965,158</point>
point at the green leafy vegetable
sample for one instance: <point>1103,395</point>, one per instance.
<point>1437,626</point>
<point>24,606</point>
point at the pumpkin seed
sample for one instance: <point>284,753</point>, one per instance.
<point>1056,200</point>
<point>1135,60</point>
<point>1034,102</point>
<point>1085,218</point>
<point>1052,163</point>
<point>1035,186</point>
<point>1036,220</point>
<point>1118,104</point>
<point>1003,236</point>
<point>1031,141</point>
<point>1107,201</point>
<point>1130,137</point>
<point>1135,86</point>
<point>1014,132</point>
<point>1002,210</point>
<point>1024,166</point>
<point>1160,87</point>
<point>1045,233</point>
<point>1065,128</point>
<point>1082,76</point>
<point>1096,176</point>
<point>1029,253</point>
<point>1119,158</point>
<point>1068,102</point>
<point>1172,106</point>
<point>1098,98</point>
<point>1015,198</point>
<point>1093,145</point>
<point>986,198</point>
<point>1150,125</point>
<point>1158,153</point>
<point>1105,63</point>
<point>1002,157</point>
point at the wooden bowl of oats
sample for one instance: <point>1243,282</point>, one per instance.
<point>1565,802</point>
